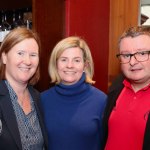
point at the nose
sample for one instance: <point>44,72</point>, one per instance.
<point>69,64</point>
<point>27,60</point>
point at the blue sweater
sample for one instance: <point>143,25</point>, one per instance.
<point>73,116</point>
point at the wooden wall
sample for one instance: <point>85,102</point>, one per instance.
<point>123,14</point>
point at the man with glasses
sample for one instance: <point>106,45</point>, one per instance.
<point>127,115</point>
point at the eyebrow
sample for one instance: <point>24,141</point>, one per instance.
<point>73,57</point>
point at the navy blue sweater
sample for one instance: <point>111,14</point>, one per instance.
<point>73,116</point>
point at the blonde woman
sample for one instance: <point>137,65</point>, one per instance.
<point>73,108</point>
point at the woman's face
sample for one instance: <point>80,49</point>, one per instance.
<point>21,61</point>
<point>70,65</point>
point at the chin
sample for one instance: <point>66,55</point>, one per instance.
<point>69,82</point>
<point>24,80</point>
<point>136,80</point>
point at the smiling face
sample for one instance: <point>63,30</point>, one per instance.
<point>70,65</point>
<point>136,72</point>
<point>21,61</point>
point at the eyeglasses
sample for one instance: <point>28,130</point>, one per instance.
<point>139,56</point>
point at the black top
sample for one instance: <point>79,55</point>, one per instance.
<point>9,132</point>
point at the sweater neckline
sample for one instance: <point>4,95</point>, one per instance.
<point>75,90</point>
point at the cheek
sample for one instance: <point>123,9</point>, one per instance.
<point>80,70</point>
<point>59,66</point>
<point>146,64</point>
<point>35,62</point>
<point>124,68</point>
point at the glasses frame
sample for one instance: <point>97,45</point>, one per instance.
<point>134,54</point>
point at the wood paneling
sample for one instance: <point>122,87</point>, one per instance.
<point>123,14</point>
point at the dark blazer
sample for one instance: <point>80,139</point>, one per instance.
<point>113,94</point>
<point>9,132</point>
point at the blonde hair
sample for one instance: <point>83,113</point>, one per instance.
<point>69,42</point>
<point>14,37</point>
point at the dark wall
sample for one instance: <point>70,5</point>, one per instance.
<point>14,4</point>
<point>48,21</point>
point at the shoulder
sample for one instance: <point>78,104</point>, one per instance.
<point>3,88</point>
<point>4,93</point>
<point>33,90</point>
<point>97,96</point>
<point>97,92</point>
<point>47,97</point>
<point>48,93</point>
<point>97,100</point>
<point>35,94</point>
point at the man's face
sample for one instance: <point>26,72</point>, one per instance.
<point>137,72</point>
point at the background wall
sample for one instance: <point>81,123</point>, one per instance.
<point>90,20</point>
<point>99,22</point>
<point>48,21</point>
<point>123,14</point>
<point>57,19</point>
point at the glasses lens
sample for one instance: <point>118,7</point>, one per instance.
<point>142,56</point>
<point>123,58</point>
<point>139,56</point>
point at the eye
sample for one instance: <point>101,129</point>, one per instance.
<point>63,59</point>
<point>34,54</point>
<point>21,53</point>
<point>142,53</point>
<point>77,60</point>
<point>125,56</point>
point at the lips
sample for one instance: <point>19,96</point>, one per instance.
<point>69,72</point>
<point>24,68</point>
<point>135,69</point>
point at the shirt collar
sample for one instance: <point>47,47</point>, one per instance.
<point>128,85</point>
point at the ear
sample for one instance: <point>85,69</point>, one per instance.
<point>4,58</point>
<point>86,65</point>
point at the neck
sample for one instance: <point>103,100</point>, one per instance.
<point>138,86</point>
<point>23,96</point>
<point>18,87</point>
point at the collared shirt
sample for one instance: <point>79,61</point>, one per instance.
<point>29,127</point>
<point>128,119</point>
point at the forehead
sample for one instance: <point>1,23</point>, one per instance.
<point>73,51</point>
<point>26,45</point>
<point>141,42</point>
